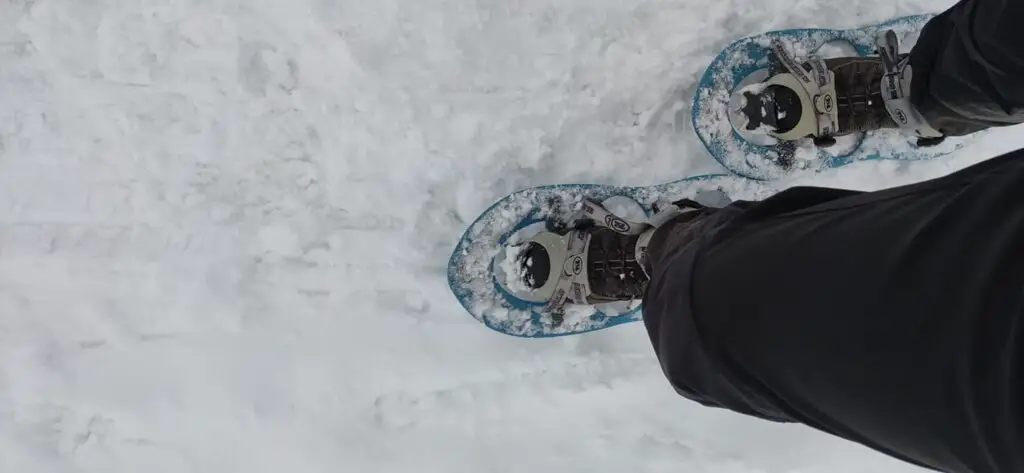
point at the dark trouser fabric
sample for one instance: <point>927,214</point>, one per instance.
<point>969,67</point>
<point>893,318</point>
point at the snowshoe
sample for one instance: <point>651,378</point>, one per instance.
<point>822,99</point>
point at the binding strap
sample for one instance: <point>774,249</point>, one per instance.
<point>573,283</point>
<point>896,88</point>
<point>817,94</point>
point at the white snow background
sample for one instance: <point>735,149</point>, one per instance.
<point>224,227</point>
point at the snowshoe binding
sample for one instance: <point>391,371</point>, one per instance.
<point>602,258</point>
<point>822,99</point>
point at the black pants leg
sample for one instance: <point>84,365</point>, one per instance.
<point>969,67</point>
<point>891,318</point>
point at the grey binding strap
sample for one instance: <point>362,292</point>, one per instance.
<point>573,283</point>
<point>792,66</point>
<point>605,218</point>
<point>896,88</point>
<point>572,279</point>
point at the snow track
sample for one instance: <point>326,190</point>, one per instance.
<point>224,227</point>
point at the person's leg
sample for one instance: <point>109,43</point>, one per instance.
<point>890,318</point>
<point>968,67</point>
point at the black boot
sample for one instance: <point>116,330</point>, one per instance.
<point>858,94</point>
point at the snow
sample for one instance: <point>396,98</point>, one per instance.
<point>224,227</point>
<point>834,49</point>
<point>513,272</point>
